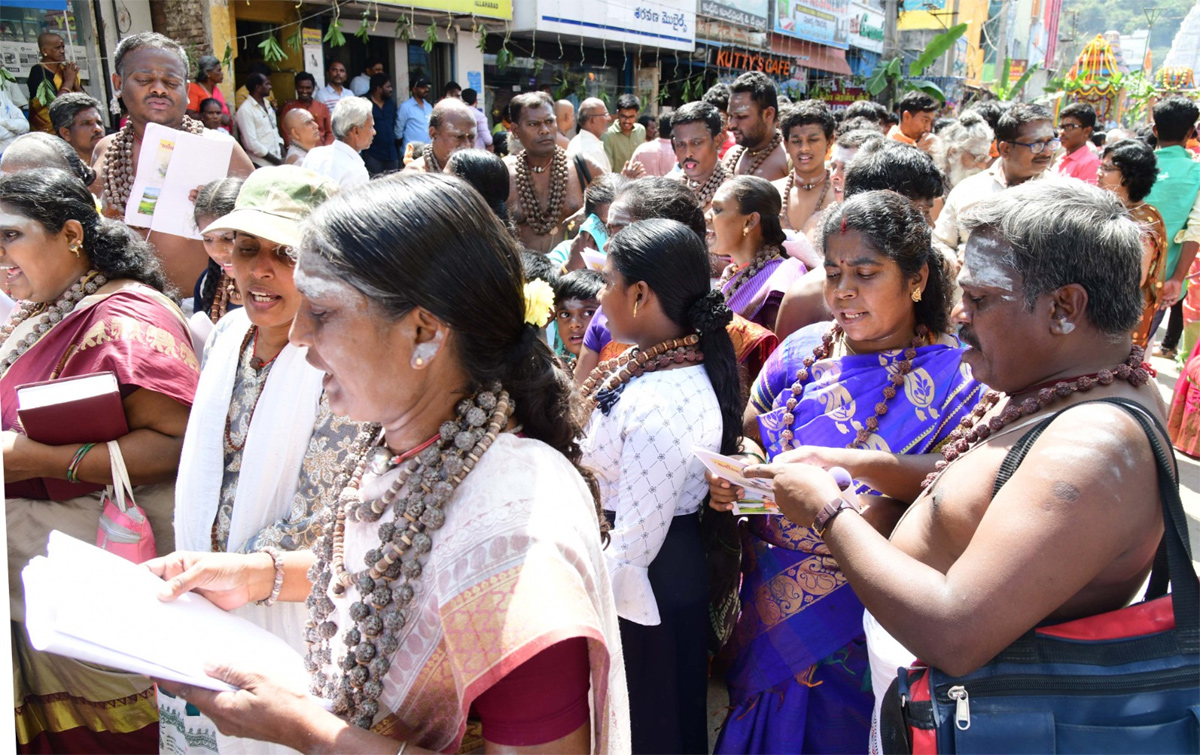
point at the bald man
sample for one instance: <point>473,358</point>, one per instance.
<point>451,128</point>
<point>53,68</point>
<point>303,133</point>
<point>593,122</point>
<point>564,113</point>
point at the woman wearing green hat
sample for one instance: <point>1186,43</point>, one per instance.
<point>262,446</point>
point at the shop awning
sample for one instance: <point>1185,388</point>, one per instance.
<point>811,54</point>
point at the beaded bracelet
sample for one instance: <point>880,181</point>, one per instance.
<point>277,559</point>
<point>73,467</point>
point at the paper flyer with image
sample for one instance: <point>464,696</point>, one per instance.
<point>171,165</point>
<point>758,494</point>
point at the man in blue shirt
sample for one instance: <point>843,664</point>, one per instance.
<point>381,156</point>
<point>412,122</point>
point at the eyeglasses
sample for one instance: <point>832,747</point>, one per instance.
<point>1036,148</point>
<point>1068,126</point>
<point>1106,168</point>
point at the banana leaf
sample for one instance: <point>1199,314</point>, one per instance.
<point>929,88</point>
<point>937,47</point>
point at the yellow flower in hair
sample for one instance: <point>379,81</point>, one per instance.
<point>539,303</point>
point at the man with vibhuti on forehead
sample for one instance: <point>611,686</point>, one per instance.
<point>985,554</point>
<point>753,114</point>
<point>695,135</point>
<point>451,128</point>
<point>150,76</point>
<point>544,186</point>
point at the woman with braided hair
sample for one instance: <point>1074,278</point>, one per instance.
<point>676,388</point>
<point>884,376</point>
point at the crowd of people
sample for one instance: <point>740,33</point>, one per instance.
<point>425,399</point>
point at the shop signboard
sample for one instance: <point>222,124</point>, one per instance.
<point>669,24</point>
<point>743,61</point>
<point>866,27</point>
<point>21,57</point>
<point>826,22</point>
<point>751,13</point>
<point>730,34</point>
<point>488,8</point>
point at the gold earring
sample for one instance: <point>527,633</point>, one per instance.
<point>635,306</point>
<point>76,248</point>
<point>916,295</point>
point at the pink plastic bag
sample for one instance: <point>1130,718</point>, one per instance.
<point>124,529</point>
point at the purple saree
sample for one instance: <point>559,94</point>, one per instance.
<point>758,299</point>
<point>798,666</point>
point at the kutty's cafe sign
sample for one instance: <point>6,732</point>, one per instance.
<point>745,60</point>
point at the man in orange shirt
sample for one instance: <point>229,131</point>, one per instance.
<point>917,112</point>
<point>306,85</point>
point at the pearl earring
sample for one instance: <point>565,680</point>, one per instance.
<point>424,353</point>
<point>1065,325</point>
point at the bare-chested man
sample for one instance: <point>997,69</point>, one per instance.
<point>451,128</point>
<point>564,111</point>
<point>1073,533</point>
<point>151,79</point>
<point>753,113</point>
<point>807,132</point>
<point>544,187</point>
<point>695,136</point>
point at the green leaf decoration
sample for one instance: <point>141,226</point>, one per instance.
<point>938,46</point>
<point>431,38</point>
<point>271,51</point>
<point>294,40</point>
<point>334,35</point>
<point>227,58</point>
<point>46,93</point>
<point>404,29</point>
<point>6,75</point>
<point>482,31</point>
<point>538,65</point>
<point>504,58</point>
<point>364,26</point>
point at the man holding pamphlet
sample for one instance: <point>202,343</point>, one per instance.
<point>151,79</point>
<point>89,300</point>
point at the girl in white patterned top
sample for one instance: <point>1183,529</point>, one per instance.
<point>675,390</point>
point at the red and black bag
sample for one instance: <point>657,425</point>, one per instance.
<point>1126,681</point>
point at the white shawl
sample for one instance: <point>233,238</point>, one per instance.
<point>276,443</point>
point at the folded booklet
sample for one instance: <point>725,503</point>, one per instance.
<point>85,603</point>
<point>757,494</point>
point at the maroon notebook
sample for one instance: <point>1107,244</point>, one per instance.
<point>81,409</point>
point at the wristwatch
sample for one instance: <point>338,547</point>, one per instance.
<point>832,509</point>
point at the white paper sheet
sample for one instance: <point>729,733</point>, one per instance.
<point>757,493</point>
<point>171,165</point>
<point>86,603</point>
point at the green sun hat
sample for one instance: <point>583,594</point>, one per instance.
<point>274,201</point>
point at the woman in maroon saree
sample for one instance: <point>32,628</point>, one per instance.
<point>89,299</point>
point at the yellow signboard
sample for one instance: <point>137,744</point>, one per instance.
<point>487,8</point>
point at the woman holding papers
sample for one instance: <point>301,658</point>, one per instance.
<point>459,570</point>
<point>885,376</point>
<point>89,299</point>
<point>675,389</point>
<point>262,448</point>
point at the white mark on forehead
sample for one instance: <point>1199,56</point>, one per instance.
<point>842,154</point>
<point>315,284</point>
<point>985,266</point>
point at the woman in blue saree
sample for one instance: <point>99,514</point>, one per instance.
<point>883,379</point>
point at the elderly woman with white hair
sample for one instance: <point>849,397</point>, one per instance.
<point>353,130</point>
<point>964,148</point>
